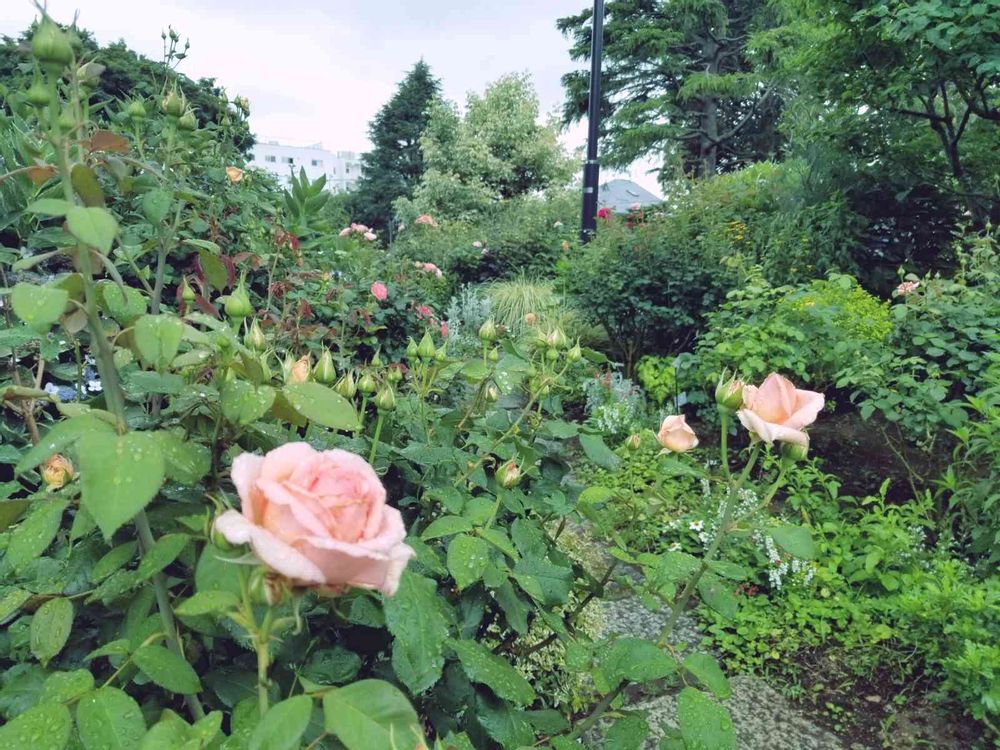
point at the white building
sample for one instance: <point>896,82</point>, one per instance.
<point>342,168</point>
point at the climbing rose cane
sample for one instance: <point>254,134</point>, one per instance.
<point>318,518</point>
<point>777,410</point>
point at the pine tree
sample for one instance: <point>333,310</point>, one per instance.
<point>394,166</point>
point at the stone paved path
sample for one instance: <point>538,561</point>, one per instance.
<point>764,719</point>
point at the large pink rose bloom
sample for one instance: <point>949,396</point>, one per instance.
<point>318,518</point>
<point>777,410</point>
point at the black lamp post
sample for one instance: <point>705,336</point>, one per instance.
<point>591,168</point>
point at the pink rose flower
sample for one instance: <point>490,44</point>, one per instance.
<point>675,435</point>
<point>379,291</point>
<point>477,244</point>
<point>777,410</point>
<point>345,231</point>
<point>318,518</point>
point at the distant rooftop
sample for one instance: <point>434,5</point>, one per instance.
<point>619,195</point>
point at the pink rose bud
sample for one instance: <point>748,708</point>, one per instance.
<point>318,519</point>
<point>675,436</point>
<point>777,410</point>
<point>380,291</point>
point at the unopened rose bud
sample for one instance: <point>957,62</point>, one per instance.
<point>385,399</point>
<point>426,348</point>
<point>794,452</point>
<point>254,338</point>
<point>367,384</point>
<point>57,471</point>
<point>729,394</point>
<point>488,332</point>
<point>509,475</point>
<point>346,386</point>
<point>325,372</point>
<point>300,370</point>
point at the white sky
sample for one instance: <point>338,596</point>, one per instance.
<point>318,70</point>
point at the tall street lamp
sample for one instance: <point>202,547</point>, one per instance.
<point>592,169</point>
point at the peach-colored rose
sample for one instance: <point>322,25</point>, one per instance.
<point>379,291</point>
<point>234,174</point>
<point>318,518</point>
<point>675,435</point>
<point>777,410</point>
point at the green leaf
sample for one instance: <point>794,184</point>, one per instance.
<point>158,338</point>
<point>61,435</point>
<point>167,669</point>
<point>161,554</point>
<point>96,227</point>
<point>38,306</point>
<point>282,725</point>
<point>49,207</point>
<point>119,475</point>
<point>446,526</point>
<point>44,727</point>
<point>156,205</point>
<point>108,719</point>
<point>185,461</point>
<point>543,581</point>
<point>124,305</point>
<point>50,629</point>
<point>795,540</point>
<point>11,603</point>
<point>62,687</point>
<point>627,733</point>
<point>322,405</point>
<point>35,533</point>
<point>243,403</point>
<point>705,725</point>
<point>598,452</point>
<point>419,628</point>
<point>332,666</point>
<point>371,715</point>
<point>707,671</point>
<point>208,602</point>
<point>718,595</point>
<point>467,559</point>
<point>631,659</point>
<point>481,665</point>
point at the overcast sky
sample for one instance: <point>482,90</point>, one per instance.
<point>318,70</point>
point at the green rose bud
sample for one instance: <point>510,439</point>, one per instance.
<point>324,371</point>
<point>509,475</point>
<point>385,400</point>
<point>367,384</point>
<point>51,46</point>
<point>426,348</point>
<point>346,386</point>
<point>488,332</point>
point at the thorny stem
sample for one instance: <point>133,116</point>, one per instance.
<point>113,396</point>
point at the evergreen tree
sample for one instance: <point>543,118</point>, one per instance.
<point>394,166</point>
<point>678,82</point>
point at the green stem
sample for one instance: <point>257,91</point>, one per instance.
<point>375,437</point>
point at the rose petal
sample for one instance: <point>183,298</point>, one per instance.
<point>246,468</point>
<point>274,553</point>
